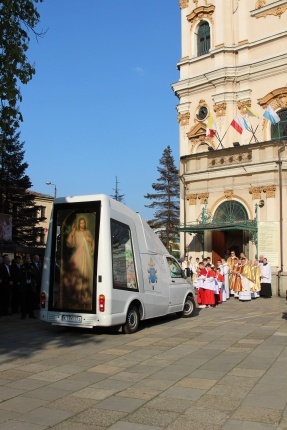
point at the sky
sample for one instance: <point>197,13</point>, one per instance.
<point>100,105</point>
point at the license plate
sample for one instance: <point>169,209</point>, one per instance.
<point>71,318</point>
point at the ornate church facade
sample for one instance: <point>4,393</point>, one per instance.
<point>232,116</point>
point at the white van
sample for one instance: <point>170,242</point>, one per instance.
<point>104,266</point>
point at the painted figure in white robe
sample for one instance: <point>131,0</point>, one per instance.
<point>81,262</point>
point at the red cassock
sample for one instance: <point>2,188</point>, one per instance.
<point>207,295</point>
<point>200,278</point>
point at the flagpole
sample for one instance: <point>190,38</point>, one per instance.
<point>253,134</point>
<point>220,140</point>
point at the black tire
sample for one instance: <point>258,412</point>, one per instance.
<point>132,322</point>
<point>189,307</point>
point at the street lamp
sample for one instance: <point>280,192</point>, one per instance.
<point>55,188</point>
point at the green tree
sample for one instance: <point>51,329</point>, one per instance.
<point>15,198</point>
<point>17,19</point>
<point>166,199</point>
<point>117,196</point>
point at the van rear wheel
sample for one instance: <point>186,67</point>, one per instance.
<point>132,322</point>
<point>189,307</point>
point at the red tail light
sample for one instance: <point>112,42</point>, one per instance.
<point>102,303</point>
<point>43,300</point>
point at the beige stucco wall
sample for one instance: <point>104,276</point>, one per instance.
<point>246,66</point>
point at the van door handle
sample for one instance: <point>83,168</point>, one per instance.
<point>172,280</point>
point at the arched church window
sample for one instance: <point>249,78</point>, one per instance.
<point>230,211</point>
<point>280,129</point>
<point>203,39</point>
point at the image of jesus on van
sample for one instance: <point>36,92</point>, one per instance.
<point>81,261</point>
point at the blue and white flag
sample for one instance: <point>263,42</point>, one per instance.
<point>271,115</point>
<point>245,124</point>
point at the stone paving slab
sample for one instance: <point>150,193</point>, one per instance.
<point>223,369</point>
<point>128,426</point>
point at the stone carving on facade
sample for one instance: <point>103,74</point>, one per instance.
<point>243,157</point>
<point>256,192</point>
<point>183,4</point>
<point>276,11</point>
<point>200,13</point>
<point>191,198</point>
<point>276,98</point>
<point>228,194</point>
<point>197,135</point>
<point>183,118</point>
<point>260,3</point>
<point>203,197</point>
<point>219,109</point>
<point>242,105</point>
<point>269,190</point>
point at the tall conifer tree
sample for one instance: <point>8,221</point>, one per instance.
<point>166,199</point>
<point>15,199</point>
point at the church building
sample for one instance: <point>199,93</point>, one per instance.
<point>232,115</point>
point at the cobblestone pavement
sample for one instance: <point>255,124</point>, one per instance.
<point>224,369</point>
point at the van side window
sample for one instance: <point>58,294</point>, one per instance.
<point>174,267</point>
<point>124,273</point>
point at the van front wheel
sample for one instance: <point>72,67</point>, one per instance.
<point>189,307</point>
<point>132,321</point>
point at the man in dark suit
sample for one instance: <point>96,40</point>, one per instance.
<point>36,280</point>
<point>17,278</point>
<point>6,284</point>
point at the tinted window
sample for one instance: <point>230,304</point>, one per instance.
<point>124,274</point>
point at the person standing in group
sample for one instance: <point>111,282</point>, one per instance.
<point>6,285</point>
<point>260,261</point>
<point>186,266</point>
<point>27,294</point>
<point>225,272</point>
<point>208,287</point>
<point>235,283</point>
<point>220,293</point>
<point>265,279</point>
<point>245,276</point>
<point>195,268</point>
<point>232,262</point>
<point>36,267</point>
<point>255,285</point>
<point>201,276</point>
<point>17,277</point>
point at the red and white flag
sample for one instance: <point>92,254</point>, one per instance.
<point>237,124</point>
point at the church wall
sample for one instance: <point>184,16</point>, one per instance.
<point>245,66</point>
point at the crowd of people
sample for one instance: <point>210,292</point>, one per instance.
<point>236,277</point>
<point>20,284</point>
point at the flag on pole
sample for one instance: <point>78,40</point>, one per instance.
<point>271,115</point>
<point>245,123</point>
<point>210,127</point>
<point>237,124</point>
<point>251,112</point>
